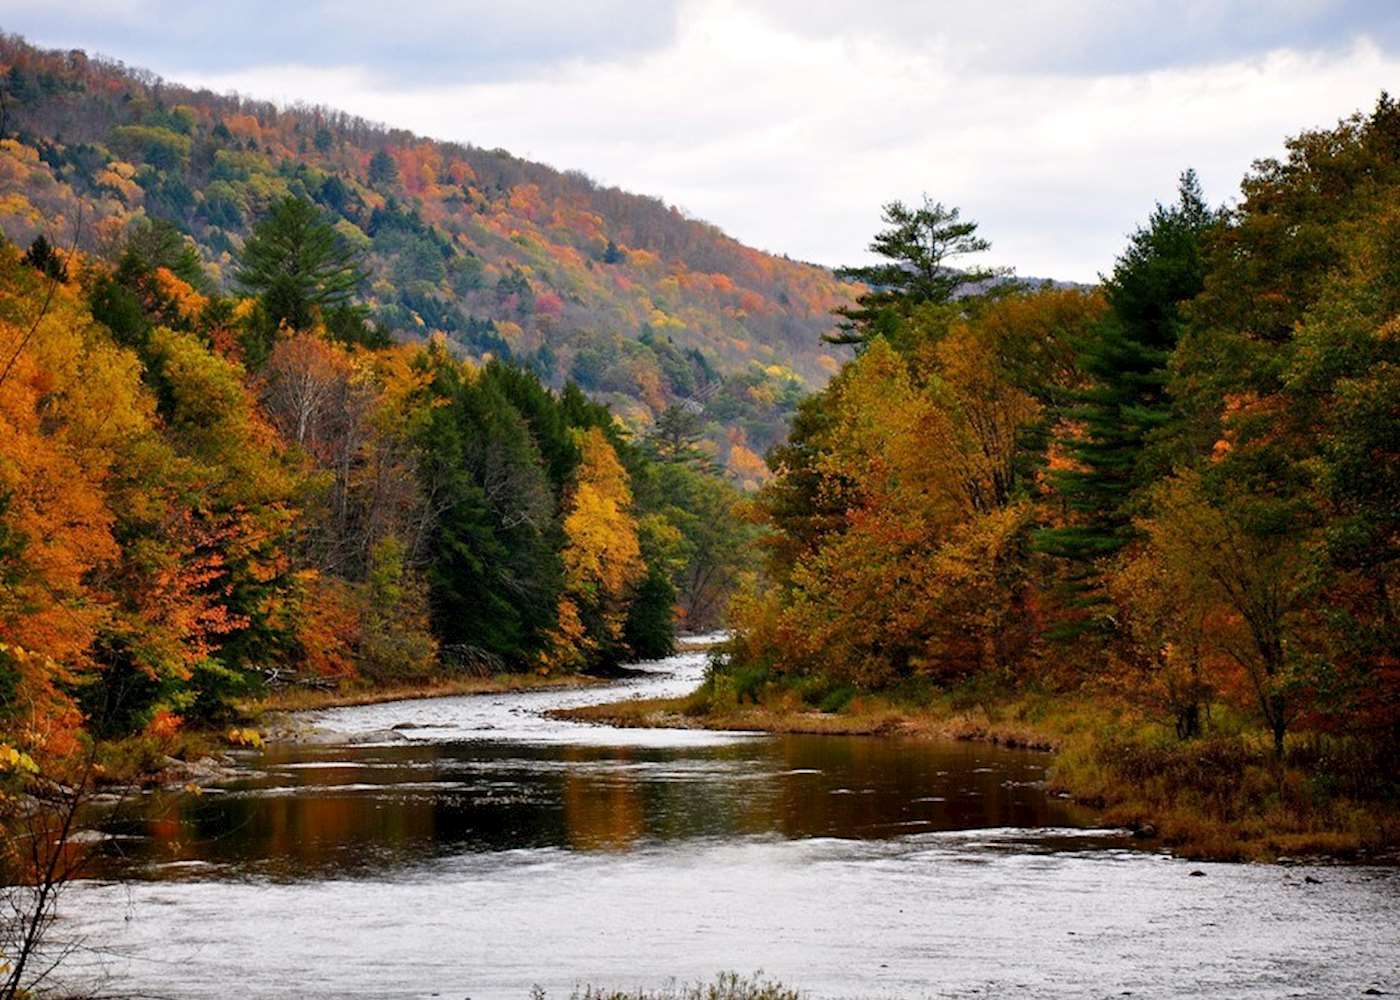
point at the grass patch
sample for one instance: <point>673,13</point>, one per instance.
<point>1227,797</point>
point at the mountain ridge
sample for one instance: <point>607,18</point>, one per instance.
<point>639,303</point>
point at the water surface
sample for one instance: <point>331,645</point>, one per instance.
<point>471,847</point>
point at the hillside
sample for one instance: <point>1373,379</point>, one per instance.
<point>640,305</point>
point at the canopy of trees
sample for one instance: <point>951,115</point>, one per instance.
<point>1182,486</point>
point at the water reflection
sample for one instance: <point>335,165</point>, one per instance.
<point>310,810</point>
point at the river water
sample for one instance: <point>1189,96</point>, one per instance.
<point>473,847</point>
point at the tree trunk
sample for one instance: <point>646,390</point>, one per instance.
<point>1278,724</point>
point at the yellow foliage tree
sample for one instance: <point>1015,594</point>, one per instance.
<point>602,555</point>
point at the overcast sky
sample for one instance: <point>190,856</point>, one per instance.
<point>788,122</point>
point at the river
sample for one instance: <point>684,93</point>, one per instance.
<point>472,847</point>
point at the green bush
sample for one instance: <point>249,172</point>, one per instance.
<point>837,698</point>
<point>749,683</point>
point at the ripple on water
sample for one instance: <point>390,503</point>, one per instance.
<point>924,915</point>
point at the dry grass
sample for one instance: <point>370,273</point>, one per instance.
<point>1227,797</point>
<point>863,716</point>
<point>681,713</point>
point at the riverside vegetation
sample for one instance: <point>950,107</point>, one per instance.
<point>1153,524</point>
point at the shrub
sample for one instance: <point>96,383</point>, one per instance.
<point>837,698</point>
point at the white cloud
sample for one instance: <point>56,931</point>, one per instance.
<point>790,139</point>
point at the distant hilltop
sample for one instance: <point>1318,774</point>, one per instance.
<point>639,304</point>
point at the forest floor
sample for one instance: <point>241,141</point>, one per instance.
<point>1224,797</point>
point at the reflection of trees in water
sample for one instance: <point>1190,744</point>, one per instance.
<point>613,796</point>
<point>489,798</point>
<point>320,826</point>
<point>601,809</point>
<point>877,787</point>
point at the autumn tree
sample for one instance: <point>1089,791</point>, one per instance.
<point>1287,379</point>
<point>902,503</point>
<point>305,381</point>
<point>71,404</point>
<point>1263,581</point>
<point>246,512</point>
<point>1167,607</point>
<point>602,556</point>
<point>395,639</point>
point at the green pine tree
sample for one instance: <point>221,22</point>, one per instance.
<point>382,169</point>
<point>1124,412</point>
<point>917,247</point>
<point>650,628</point>
<point>495,574</point>
<point>298,266</point>
<point>676,435</point>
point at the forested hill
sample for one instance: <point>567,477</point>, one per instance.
<point>640,305</point>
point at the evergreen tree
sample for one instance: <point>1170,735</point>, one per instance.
<point>45,259</point>
<point>495,575</point>
<point>333,194</point>
<point>650,629</point>
<point>382,169</point>
<point>352,325</point>
<point>917,246</point>
<point>675,436</point>
<point>798,501</point>
<point>548,423</point>
<point>580,411</point>
<point>1125,410</point>
<point>158,243</point>
<point>298,266</point>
